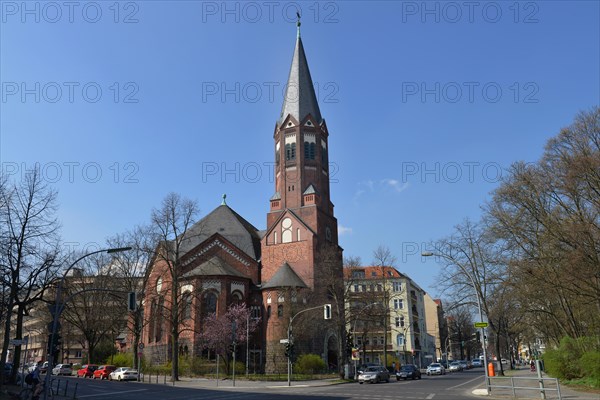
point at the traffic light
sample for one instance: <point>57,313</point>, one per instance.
<point>54,345</point>
<point>289,350</point>
<point>478,335</point>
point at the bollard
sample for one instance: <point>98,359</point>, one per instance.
<point>491,371</point>
<point>66,387</point>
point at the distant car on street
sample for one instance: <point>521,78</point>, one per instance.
<point>436,369</point>
<point>62,369</point>
<point>455,367</point>
<point>408,371</point>
<point>87,370</point>
<point>123,374</point>
<point>103,371</point>
<point>374,375</point>
<point>476,363</point>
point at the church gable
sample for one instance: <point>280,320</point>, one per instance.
<point>288,228</point>
<point>217,246</point>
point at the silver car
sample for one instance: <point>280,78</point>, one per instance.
<point>62,369</point>
<point>436,369</point>
<point>374,375</point>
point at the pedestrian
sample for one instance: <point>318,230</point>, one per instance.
<point>532,366</point>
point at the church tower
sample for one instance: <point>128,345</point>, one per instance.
<point>301,257</point>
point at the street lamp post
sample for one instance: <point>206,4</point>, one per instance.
<point>59,307</point>
<point>290,339</point>
<point>483,344</point>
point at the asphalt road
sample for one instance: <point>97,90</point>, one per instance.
<point>449,386</point>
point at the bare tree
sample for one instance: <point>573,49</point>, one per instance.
<point>94,303</point>
<point>133,268</point>
<point>29,250</point>
<point>171,223</point>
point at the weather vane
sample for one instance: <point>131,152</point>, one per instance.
<point>298,23</point>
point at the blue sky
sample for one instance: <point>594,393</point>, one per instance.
<point>426,103</point>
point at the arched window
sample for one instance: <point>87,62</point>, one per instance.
<point>186,304</point>
<point>280,311</point>
<point>236,298</point>
<point>290,151</point>
<point>286,234</point>
<point>268,312</point>
<point>298,234</point>
<point>209,303</point>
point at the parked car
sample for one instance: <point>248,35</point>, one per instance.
<point>44,367</point>
<point>103,371</point>
<point>436,369</point>
<point>87,370</point>
<point>455,367</point>
<point>62,369</point>
<point>363,367</point>
<point>408,371</point>
<point>124,374</point>
<point>476,363</point>
<point>464,364</point>
<point>374,375</point>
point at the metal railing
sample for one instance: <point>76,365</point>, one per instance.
<point>541,388</point>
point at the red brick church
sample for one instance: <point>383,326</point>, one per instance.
<point>293,265</point>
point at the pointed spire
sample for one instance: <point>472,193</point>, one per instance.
<point>300,98</point>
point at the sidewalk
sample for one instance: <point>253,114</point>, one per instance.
<point>242,383</point>
<point>522,378</point>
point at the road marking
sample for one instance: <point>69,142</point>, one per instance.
<point>464,383</point>
<point>430,396</point>
<point>111,393</point>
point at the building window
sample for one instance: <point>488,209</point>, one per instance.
<point>400,339</point>
<point>358,274</point>
<point>298,234</point>
<point>402,321</point>
<point>268,312</point>
<point>186,302</point>
<point>398,304</point>
<point>397,286</point>
<point>364,288</point>
<point>290,151</point>
<point>236,297</point>
<point>280,310</point>
<point>275,237</point>
<point>77,353</point>
<point>397,322</point>
<point>373,273</point>
<point>286,234</point>
<point>390,273</point>
<point>309,150</point>
<point>255,312</point>
<point>210,303</point>
<point>379,287</point>
<point>356,288</point>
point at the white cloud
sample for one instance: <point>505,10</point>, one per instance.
<point>343,230</point>
<point>395,184</point>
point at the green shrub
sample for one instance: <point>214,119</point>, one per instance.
<point>309,364</point>
<point>589,364</point>
<point>121,360</point>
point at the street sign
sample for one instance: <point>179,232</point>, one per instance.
<point>481,324</point>
<point>283,341</point>
<point>355,355</point>
<point>140,345</point>
<point>16,342</point>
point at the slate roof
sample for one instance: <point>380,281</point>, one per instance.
<point>214,266</point>
<point>300,98</point>
<point>229,224</point>
<point>285,277</point>
<point>310,190</point>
